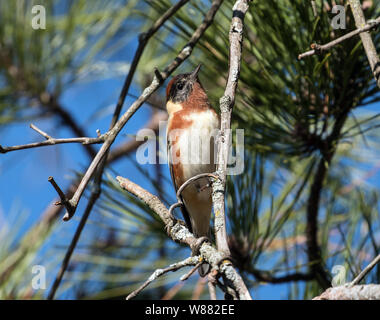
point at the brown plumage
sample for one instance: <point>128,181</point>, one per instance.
<point>191,120</point>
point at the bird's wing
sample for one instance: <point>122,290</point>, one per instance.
<point>185,213</point>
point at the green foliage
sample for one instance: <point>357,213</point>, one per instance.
<point>36,66</point>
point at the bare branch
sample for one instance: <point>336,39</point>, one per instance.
<point>366,270</point>
<point>318,49</point>
<point>212,284</point>
<point>368,44</point>
<point>265,276</point>
<point>347,292</point>
<point>226,105</point>
<point>91,202</point>
<point>178,232</point>
<point>173,291</point>
<point>52,141</point>
<point>143,41</point>
<point>62,196</point>
<point>159,272</point>
<point>42,133</point>
<point>52,212</point>
<point>125,148</point>
<point>190,273</point>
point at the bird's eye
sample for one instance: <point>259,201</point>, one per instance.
<point>180,86</point>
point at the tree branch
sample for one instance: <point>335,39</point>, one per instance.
<point>345,292</point>
<point>179,233</point>
<point>52,141</point>
<point>46,100</point>
<point>313,249</point>
<point>191,261</point>
<point>265,276</point>
<point>369,47</point>
<point>226,105</point>
<point>366,270</point>
<point>318,49</point>
<point>131,145</point>
<point>143,41</point>
<point>212,282</point>
<point>352,290</point>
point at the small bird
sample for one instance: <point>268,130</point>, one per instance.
<point>192,127</point>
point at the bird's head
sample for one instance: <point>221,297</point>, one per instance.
<point>184,87</point>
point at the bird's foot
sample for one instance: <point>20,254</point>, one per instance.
<point>197,245</point>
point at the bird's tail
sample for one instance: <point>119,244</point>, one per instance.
<point>204,269</point>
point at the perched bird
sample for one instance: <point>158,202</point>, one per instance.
<point>192,127</point>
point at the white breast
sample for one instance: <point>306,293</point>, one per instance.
<point>197,143</point>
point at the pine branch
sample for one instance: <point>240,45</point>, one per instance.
<point>52,141</point>
<point>368,44</point>
<point>319,49</point>
<point>226,105</point>
<point>345,292</point>
<point>191,261</point>
<point>179,233</point>
<point>365,271</point>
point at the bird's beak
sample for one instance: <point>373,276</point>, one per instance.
<point>194,74</point>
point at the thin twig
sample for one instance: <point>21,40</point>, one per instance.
<point>143,41</point>
<point>366,270</point>
<point>42,133</point>
<point>159,272</point>
<point>52,212</point>
<point>62,196</point>
<point>191,272</point>
<point>47,100</point>
<point>265,276</point>
<point>125,148</point>
<point>212,284</point>
<point>94,196</point>
<point>368,44</point>
<point>226,105</point>
<point>156,83</point>
<point>52,141</point>
<point>170,294</point>
<point>318,49</point>
<point>198,288</point>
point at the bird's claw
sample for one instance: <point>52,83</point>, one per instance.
<point>197,245</point>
